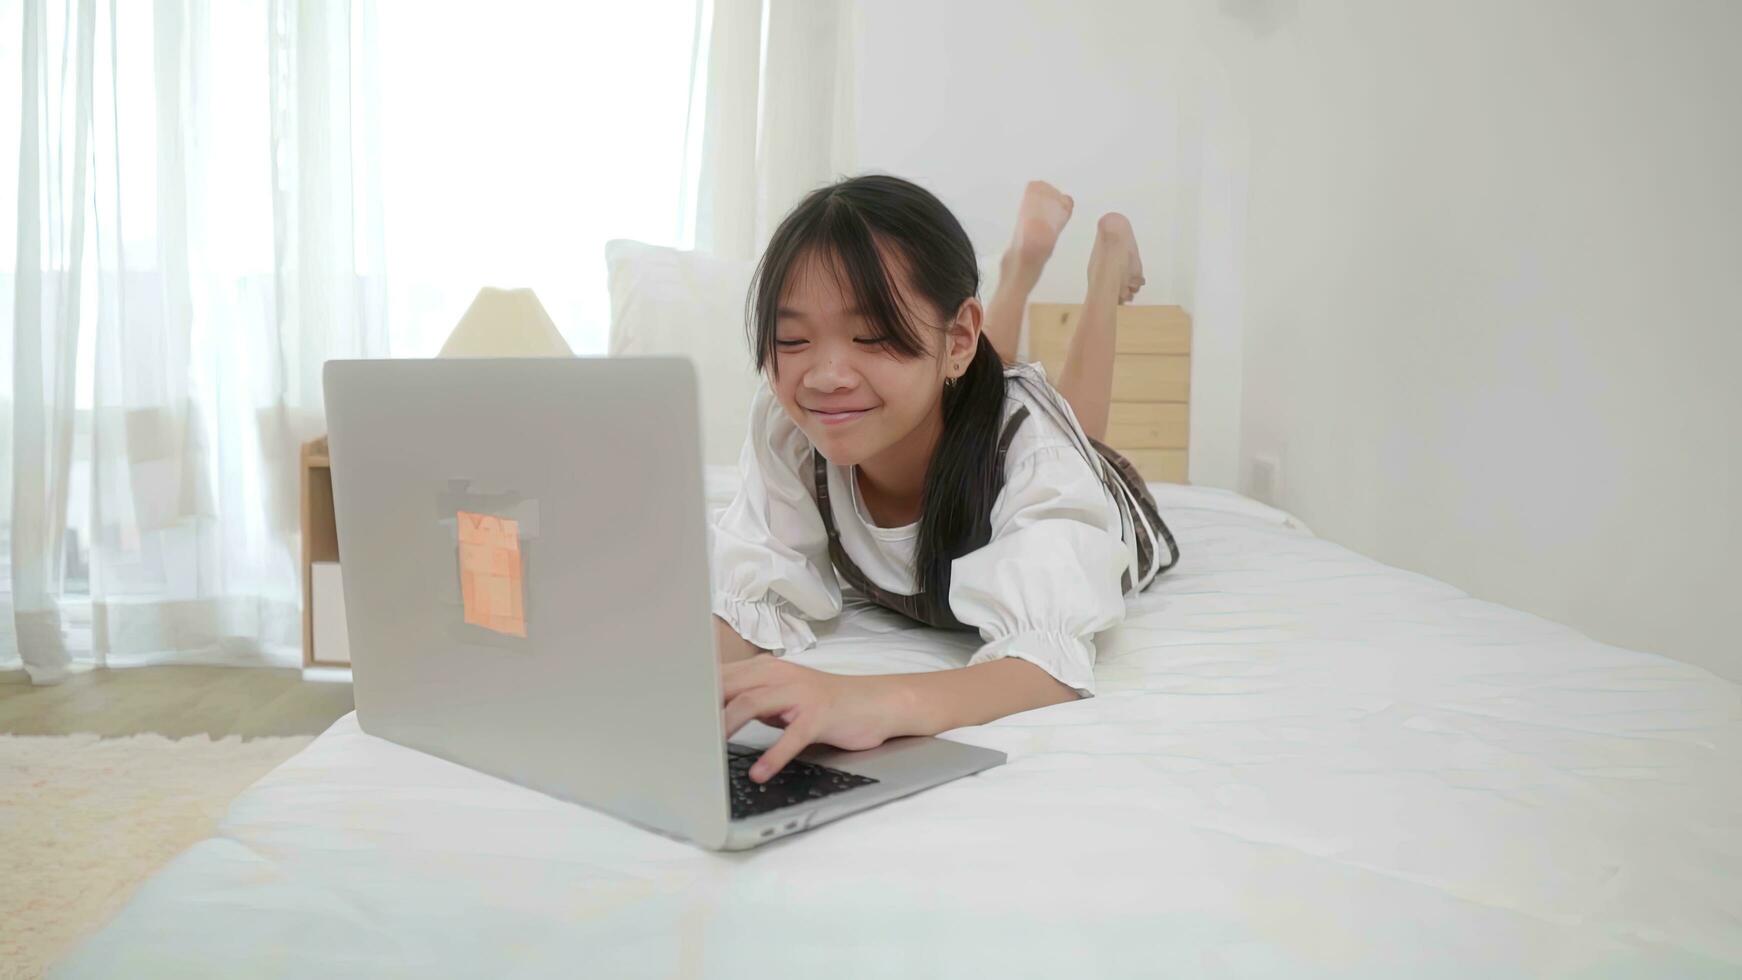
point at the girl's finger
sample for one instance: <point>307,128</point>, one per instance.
<point>754,704</point>
<point>797,736</point>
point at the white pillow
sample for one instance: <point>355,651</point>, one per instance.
<point>667,301</point>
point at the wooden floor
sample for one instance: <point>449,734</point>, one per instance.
<point>175,702</point>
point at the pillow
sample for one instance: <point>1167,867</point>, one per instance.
<point>667,301</point>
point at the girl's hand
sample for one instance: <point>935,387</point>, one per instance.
<point>812,705</point>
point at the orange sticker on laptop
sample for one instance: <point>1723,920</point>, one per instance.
<point>490,576</point>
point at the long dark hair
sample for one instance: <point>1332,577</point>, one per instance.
<point>843,225</point>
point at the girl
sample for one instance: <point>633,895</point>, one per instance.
<point>897,449</point>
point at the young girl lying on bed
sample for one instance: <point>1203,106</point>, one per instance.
<point>896,448</point>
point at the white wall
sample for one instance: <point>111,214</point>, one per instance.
<point>1466,270</point>
<point>1493,320</point>
<point>974,98</point>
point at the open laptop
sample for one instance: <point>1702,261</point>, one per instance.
<point>524,544</point>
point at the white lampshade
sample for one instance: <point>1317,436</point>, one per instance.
<point>505,323</point>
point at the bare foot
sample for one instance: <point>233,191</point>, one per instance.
<point>1114,262</point>
<point>1039,219</point>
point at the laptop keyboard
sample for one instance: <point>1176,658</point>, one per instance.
<point>799,782</point>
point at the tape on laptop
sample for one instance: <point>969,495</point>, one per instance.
<point>489,537</point>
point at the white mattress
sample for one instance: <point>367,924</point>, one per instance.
<point>1302,763</point>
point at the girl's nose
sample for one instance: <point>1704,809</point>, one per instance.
<point>830,373</point>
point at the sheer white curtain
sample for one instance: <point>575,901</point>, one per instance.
<point>211,199</point>
<point>772,115</point>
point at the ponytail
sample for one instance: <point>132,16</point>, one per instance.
<point>962,481</point>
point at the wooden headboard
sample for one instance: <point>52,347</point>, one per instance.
<point>1152,374</point>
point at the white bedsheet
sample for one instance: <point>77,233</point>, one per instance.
<point>1302,763</point>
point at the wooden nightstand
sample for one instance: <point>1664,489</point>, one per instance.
<point>320,539</point>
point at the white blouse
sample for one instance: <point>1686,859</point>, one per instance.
<point>1048,580</point>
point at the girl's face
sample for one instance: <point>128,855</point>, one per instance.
<point>853,397</point>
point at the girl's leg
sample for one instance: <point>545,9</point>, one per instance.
<point>1115,274</point>
<point>1039,219</point>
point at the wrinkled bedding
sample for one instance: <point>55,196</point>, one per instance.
<point>1301,763</point>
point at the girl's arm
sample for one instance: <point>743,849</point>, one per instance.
<point>1039,592</point>
<point>929,703</point>
<point>860,712</point>
<point>769,551</point>
<point>730,646</point>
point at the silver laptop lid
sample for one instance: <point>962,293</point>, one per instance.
<point>524,550</point>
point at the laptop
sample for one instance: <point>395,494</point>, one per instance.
<point>525,553</point>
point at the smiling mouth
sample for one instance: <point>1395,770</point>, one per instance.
<point>840,418</point>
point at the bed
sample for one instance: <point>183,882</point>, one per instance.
<point>1301,763</point>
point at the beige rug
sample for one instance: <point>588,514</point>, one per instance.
<point>84,820</point>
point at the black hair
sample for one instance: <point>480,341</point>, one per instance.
<point>844,226</point>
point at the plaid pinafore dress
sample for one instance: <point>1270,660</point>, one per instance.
<point>933,610</point>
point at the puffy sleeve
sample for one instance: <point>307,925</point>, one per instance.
<point>769,553</point>
<point>1050,577</point>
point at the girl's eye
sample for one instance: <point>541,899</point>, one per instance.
<point>862,341</point>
